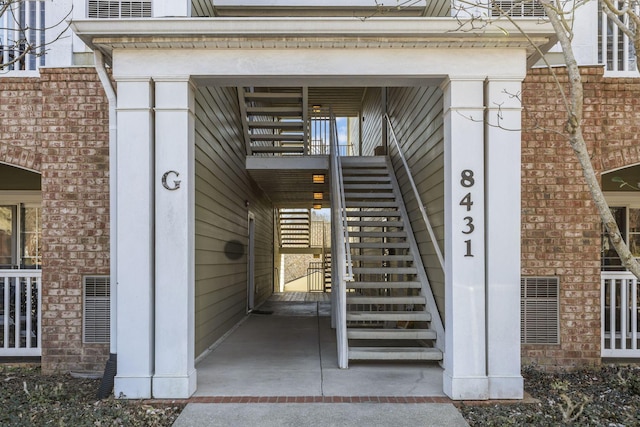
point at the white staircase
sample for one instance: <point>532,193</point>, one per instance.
<point>295,228</point>
<point>274,120</point>
<point>387,316</point>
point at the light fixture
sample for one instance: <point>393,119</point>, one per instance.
<point>317,206</point>
<point>318,179</point>
<point>316,107</point>
<point>317,196</point>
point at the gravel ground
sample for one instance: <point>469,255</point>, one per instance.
<point>28,398</point>
<point>606,396</point>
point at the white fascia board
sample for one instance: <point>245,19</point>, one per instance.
<point>305,3</point>
<point>449,28</point>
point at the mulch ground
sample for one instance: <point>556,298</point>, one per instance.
<point>606,396</point>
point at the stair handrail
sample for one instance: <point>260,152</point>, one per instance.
<point>423,211</point>
<point>342,210</point>
<point>341,262</point>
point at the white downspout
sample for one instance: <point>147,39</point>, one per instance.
<point>111,368</point>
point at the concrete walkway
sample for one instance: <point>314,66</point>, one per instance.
<point>280,369</point>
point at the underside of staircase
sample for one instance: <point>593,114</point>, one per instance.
<point>387,315</point>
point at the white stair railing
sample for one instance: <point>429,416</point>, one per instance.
<point>620,330</point>
<point>20,313</point>
<point>341,266</point>
<point>416,194</point>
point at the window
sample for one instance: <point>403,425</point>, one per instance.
<point>22,35</point>
<point>20,236</point>
<point>517,8</point>
<point>628,220</point>
<point>615,50</point>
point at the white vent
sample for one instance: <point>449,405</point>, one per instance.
<point>114,9</point>
<point>517,8</point>
<point>540,307</point>
<point>96,309</point>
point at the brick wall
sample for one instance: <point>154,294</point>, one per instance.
<point>58,124</point>
<point>561,228</point>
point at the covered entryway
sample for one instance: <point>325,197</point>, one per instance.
<point>289,348</point>
<point>181,259</point>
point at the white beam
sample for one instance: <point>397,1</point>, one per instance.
<point>175,374</point>
<point>135,239</point>
<point>502,148</point>
<point>465,350</point>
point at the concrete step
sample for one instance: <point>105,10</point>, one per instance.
<point>377,178</point>
<point>370,204</point>
<point>385,270</point>
<point>418,299</point>
<point>376,234</point>
<point>288,125</point>
<point>384,285</point>
<point>277,137</point>
<point>390,334</point>
<point>380,258</point>
<point>380,186</point>
<point>394,353</point>
<point>389,316</point>
<point>380,245</point>
<point>273,96</point>
<point>364,172</point>
<point>363,161</point>
<point>375,223</point>
<point>284,110</point>
<point>386,213</point>
<point>359,196</point>
<point>281,150</point>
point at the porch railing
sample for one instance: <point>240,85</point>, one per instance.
<point>620,317</point>
<point>20,313</point>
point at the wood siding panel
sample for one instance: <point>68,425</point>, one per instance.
<point>417,119</point>
<point>223,188</point>
<point>371,120</point>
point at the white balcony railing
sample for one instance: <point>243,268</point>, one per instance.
<point>620,336</point>
<point>22,36</point>
<point>20,312</point>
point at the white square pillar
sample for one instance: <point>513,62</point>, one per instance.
<point>171,8</point>
<point>175,374</point>
<point>465,340</point>
<point>503,164</point>
<point>134,249</point>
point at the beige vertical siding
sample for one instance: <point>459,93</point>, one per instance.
<point>416,116</point>
<point>223,188</point>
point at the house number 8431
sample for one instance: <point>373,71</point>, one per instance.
<point>467,181</point>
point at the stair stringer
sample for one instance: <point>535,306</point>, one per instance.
<point>436,320</point>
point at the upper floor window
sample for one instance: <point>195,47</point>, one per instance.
<point>615,49</point>
<point>116,9</point>
<point>22,35</point>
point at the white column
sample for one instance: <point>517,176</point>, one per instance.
<point>135,239</point>
<point>503,163</point>
<point>171,8</point>
<point>175,374</point>
<point>465,351</point>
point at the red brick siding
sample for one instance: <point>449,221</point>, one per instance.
<point>561,228</point>
<point>58,124</point>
